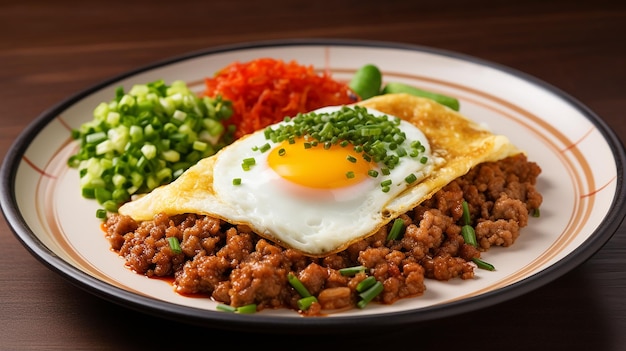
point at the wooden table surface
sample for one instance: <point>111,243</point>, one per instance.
<point>50,50</point>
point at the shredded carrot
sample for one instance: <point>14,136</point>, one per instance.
<point>264,91</point>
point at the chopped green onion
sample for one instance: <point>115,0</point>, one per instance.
<point>297,284</point>
<point>350,174</point>
<point>535,212</point>
<point>306,302</point>
<point>469,235</point>
<point>174,245</point>
<point>247,163</point>
<point>401,152</point>
<point>101,213</point>
<point>396,229</point>
<point>226,308</point>
<point>88,192</point>
<point>281,152</point>
<point>95,138</point>
<point>370,131</point>
<point>385,183</point>
<point>483,265</point>
<point>136,133</point>
<point>171,156</point>
<point>410,178</point>
<point>350,271</point>
<point>102,195</point>
<point>466,213</point>
<point>110,206</point>
<point>179,115</point>
<point>144,138</point>
<point>366,284</point>
<point>351,158</point>
<point>149,151</point>
<point>247,309</point>
<point>236,181</point>
<point>265,147</point>
<point>200,145</point>
<point>372,173</point>
<point>369,294</point>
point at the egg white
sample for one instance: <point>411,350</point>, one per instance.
<point>315,221</point>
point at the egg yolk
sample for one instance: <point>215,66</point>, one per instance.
<point>318,167</point>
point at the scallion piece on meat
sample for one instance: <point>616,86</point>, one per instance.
<point>469,235</point>
<point>174,244</point>
<point>365,284</point>
<point>466,213</point>
<point>535,213</point>
<point>483,265</point>
<point>369,294</point>
<point>297,284</point>
<point>247,309</point>
<point>396,229</point>
<point>351,271</point>
<point>306,302</point>
<point>226,308</point>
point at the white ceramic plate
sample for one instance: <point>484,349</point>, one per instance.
<point>582,185</point>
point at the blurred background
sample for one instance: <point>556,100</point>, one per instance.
<point>59,43</point>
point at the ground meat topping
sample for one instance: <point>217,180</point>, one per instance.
<point>233,265</point>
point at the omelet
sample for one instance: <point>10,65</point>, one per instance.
<point>319,182</point>
<point>458,142</point>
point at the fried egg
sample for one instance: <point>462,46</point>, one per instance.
<point>320,197</point>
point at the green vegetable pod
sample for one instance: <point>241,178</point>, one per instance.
<point>367,81</point>
<point>397,88</point>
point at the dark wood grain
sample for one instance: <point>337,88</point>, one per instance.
<point>50,50</point>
